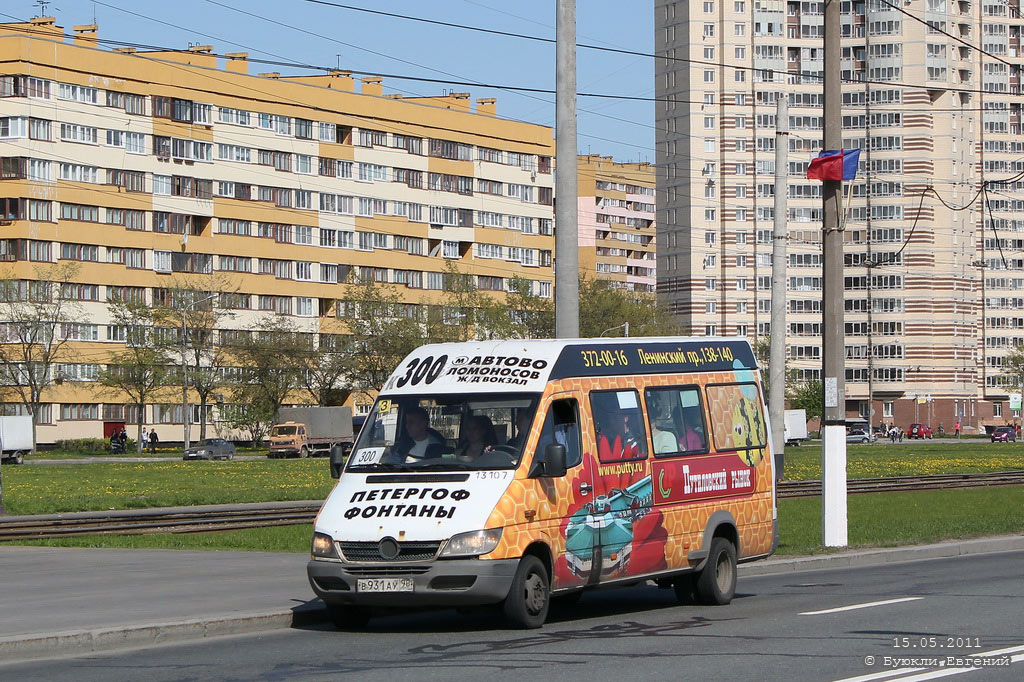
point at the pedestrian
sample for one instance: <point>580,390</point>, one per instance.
<point>154,440</point>
<point>956,429</point>
<point>900,430</point>
<point>145,439</point>
<point>123,437</point>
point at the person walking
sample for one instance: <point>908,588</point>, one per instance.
<point>145,439</point>
<point>154,440</point>
<point>956,429</point>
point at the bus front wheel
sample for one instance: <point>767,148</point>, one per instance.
<point>526,605</point>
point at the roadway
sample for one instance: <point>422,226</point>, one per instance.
<point>817,625</point>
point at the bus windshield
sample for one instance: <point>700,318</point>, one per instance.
<point>458,432</point>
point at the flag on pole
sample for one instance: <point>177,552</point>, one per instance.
<point>834,164</point>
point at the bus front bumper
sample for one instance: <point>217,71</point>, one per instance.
<point>452,582</point>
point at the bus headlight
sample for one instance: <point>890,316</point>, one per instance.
<point>323,547</point>
<point>474,543</point>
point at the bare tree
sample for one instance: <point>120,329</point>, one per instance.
<point>143,368</point>
<point>191,306</point>
<point>269,372</point>
<point>37,319</point>
<point>380,333</point>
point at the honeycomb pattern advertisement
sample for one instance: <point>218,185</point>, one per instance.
<point>602,517</point>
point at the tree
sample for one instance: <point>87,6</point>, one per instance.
<point>1014,366</point>
<point>250,412</point>
<point>380,333</point>
<point>810,397</point>
<point>142,368</point>
<point>460,306</point>
<point>520,315</point>
<point>762,351</point>
<point>191,307</point>
<point>40,316</point>
<point>603,307</point>
<point>268,370</point>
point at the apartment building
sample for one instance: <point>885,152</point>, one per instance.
<point>934,278</point>
<point>616,222</point>
<point>143,165</point>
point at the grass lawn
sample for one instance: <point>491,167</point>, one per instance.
<point>876,520</point>
<point>42,489</point>
<point>908,459</point>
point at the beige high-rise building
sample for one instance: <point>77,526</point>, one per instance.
<point>616,222</point>
<point>934,274</point>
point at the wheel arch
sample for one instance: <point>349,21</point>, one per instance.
<point>720,524</point>
<point>540,549</point>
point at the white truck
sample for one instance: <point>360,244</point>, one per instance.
<point>795,426</point>
<point>15,438</point>
<point>305,431</point>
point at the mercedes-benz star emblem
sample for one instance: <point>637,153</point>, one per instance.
<point>388,548</point>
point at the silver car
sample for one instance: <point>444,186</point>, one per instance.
<point>858,436</point>
<point>211,448</point>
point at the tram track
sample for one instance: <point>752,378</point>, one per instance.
<point>264,514</point>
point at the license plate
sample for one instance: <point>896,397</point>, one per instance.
<point>384,585</point>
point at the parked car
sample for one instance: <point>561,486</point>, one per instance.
<point>919,431</point>
<point>1004,434</point>
<point>858,436</point>
<point>211,448</point>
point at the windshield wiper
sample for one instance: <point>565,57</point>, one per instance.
<point>442,464</point>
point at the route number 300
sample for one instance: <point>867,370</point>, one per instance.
<point>426,370</point>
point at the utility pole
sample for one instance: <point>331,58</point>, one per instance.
<point>777,350</point>
<point>567,257</point>
<point>833,462</point>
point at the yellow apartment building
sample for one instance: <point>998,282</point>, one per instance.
<point>617,222</point>
<point>143,165</point>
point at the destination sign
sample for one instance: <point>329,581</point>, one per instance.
<point>653,358</point>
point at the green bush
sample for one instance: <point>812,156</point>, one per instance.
<point>89,446</point>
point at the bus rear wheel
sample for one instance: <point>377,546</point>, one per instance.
<point>716,584</point>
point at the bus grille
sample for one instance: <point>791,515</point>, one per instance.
<point>407,551</point>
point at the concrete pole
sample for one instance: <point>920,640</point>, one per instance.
<point>567,257</point>
<point>777,350</point>
<point>833,464</point>
<point>185,409</point>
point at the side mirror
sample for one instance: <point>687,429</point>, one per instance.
<point>337,460</point>
<point>554,460</point>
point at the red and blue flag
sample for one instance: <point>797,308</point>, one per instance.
<point>834,164</point>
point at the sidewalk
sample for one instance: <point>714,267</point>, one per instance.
<point>58,601</point>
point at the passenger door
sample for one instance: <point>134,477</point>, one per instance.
<point>571,521</point>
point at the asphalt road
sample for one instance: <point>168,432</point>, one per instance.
<point>779,627</point>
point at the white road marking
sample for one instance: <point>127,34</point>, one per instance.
<point>946,672</point>
<point>853,607</point>
<point>1015,654</point>
<point>885,674</point>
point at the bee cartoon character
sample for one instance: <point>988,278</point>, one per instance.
<point>746,429</point>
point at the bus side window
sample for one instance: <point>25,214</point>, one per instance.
<point>562,426</point>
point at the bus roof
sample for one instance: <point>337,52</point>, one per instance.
<point>527,365</point>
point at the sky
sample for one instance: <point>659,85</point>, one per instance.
<point>311,33</point>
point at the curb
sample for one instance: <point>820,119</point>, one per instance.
<point>878,557</point>
<point>78,642</point>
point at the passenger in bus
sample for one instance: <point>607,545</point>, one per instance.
<point>523,420</point>
<point>662,435</point>
<point>693,430</point>
<point>477,438</point>
<point>617,440</point>
<point>419,440</point>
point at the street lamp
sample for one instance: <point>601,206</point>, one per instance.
<point>624,326</point>
<point>186,416</point>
